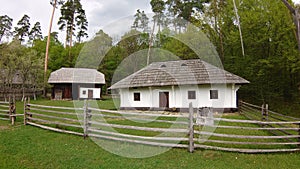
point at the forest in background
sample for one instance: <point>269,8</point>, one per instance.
<point>266,54</point>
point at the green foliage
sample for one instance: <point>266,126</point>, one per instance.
<point>5,26</point>
<point>94,51</point>
<point>141,21</point>
<point>23,28</point>
<point>73,15</point>
<point>35,32</point>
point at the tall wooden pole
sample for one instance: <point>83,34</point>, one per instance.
<point>150,42</point>
<point>47,47</point>
<point>296,17</point>
<point>239,25</point>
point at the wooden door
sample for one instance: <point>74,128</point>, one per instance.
<point>90,94</point>
<point>164,99</point>
<point>67,92</point>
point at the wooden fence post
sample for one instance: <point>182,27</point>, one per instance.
<point>85,119</point>
<point>299,135</point>
<point>12,112</point>
<point>266,112</point>
<point>240,106</point>
<point>25,105</point>
<point>262,111</point>
<point>191,128</point>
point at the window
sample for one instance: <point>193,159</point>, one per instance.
<point>191,95</point>
<point>136,96</point>
<point>84,92</point>
<point>213,94</point>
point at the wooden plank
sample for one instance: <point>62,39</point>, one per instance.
<point>245,136</point>
<point>248,128</point>
<point>139,141</point>
<point>4,118</point>
<point>4,106</point>
<point>142,119</point>
<point>55,122</point>
<point>55,112</point>
<point>141,128</point>
<point>247,143</point>
<point>15,115</point>
<point>55,107</point>
<point>7,111</point>
<point>53,117</point>
<point>138,137</point>
<point>252,105</point>
<point>251,121</point>
<point>251,110</point>
<point>246,150</point>
<point>289,117</point>
<point>272,112</point>
<point>1,102</point>
<point>139,114</point>
<point>54,129</point>
<point>276,118</point>
<point>2,114</point>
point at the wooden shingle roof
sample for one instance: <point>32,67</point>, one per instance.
<point>76,75</point>
<point>181,72</point>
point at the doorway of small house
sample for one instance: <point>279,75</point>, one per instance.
<point>90,94</point>
<point>163,99</point>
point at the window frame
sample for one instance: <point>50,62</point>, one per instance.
<point>136,96</point>
<point>214,94</point>
<point>191,95</point>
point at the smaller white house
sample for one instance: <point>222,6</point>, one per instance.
<point>175,84</point>
<point>76,83</point>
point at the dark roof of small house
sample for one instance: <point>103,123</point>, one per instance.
<point>76,75</point>
<point>181,72</point>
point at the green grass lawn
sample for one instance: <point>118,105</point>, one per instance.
<point>30,147</point>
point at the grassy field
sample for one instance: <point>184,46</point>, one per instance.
<point>30,147</point>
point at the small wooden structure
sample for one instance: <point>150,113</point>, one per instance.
<point>11,86</point>
<point>76,83</point>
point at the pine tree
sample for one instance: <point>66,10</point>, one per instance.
<point>23,28</point>
<point>35,32</point>
<point>5,26</point>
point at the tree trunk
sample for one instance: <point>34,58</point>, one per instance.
<point>296,16</point>
<point>239,25</point>
<point>150,42</point>
<point>47,47</point>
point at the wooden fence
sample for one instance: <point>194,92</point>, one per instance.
<point>202,129</point>
<point>8,111</point>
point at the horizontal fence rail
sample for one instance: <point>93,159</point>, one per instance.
<point>254,130</point>
<point>54,118</point>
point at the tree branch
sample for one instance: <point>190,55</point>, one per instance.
<point>288,5</point>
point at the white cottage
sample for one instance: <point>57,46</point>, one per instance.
<point>173,85</point>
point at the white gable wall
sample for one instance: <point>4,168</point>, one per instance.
<point>83,92</point>
<point>178,96</point>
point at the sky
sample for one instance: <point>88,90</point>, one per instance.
<point>100,13</point>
